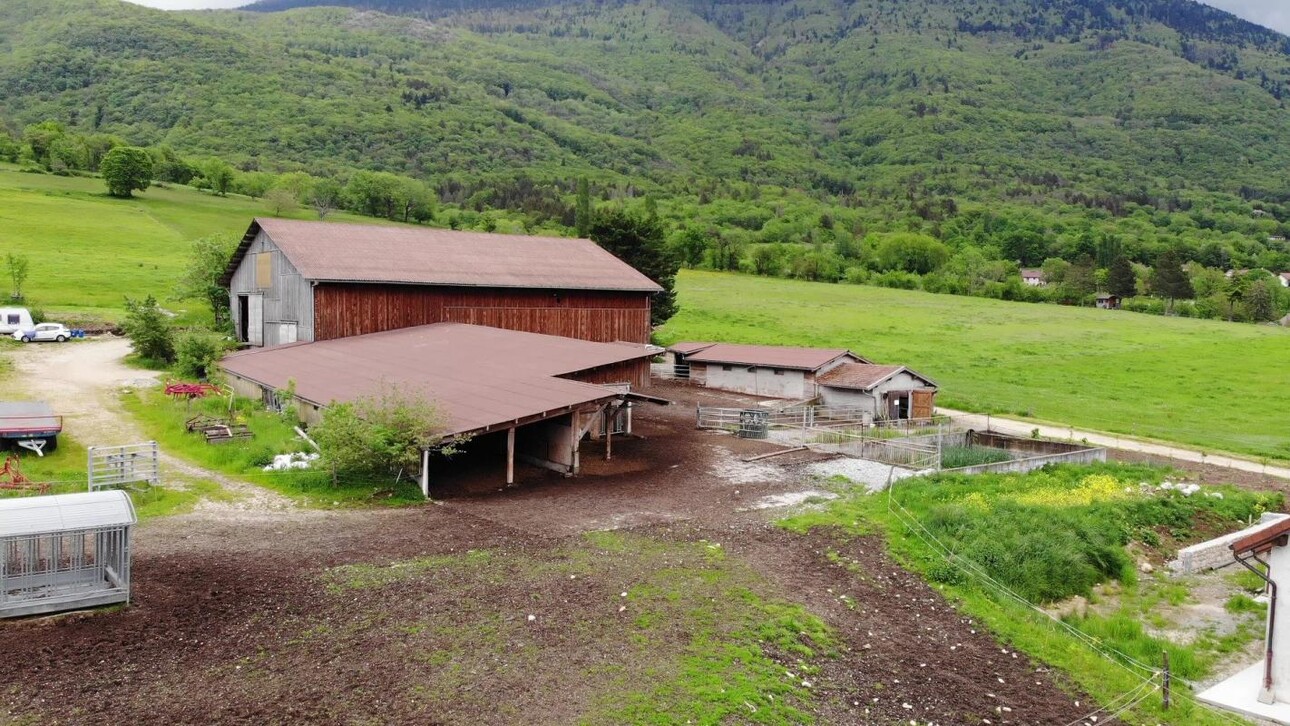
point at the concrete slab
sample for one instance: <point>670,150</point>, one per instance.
<point>1240,693</point>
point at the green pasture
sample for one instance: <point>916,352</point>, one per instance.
<point>1216,386</point>
<point>88,250</point>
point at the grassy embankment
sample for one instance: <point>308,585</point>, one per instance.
<point>1052,535</point>
<point>162,419</point>
<point>1201,383</point>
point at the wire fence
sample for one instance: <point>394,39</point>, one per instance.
<point>1148,676</point>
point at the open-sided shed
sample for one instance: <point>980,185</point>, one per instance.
<point>64,552</point>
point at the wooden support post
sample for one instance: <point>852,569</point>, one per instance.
<point>609,434</point>
<point>1165,679</point>
<point>510,455</point>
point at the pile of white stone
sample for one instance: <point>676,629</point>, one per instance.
<point>298,460</point>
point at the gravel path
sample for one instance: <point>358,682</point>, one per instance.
<point>82,380</point>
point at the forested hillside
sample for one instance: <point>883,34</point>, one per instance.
<point>782,137</point>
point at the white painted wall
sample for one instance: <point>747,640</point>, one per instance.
<point>1279,572</point>
<point>769,382</point>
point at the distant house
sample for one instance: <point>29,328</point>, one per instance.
<point>1033,276</point>
<point>760,370</point>
<point>893,392</point>
<point>292,281</point>
<point>1107,301</point>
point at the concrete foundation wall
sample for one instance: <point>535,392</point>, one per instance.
<point>1216,553</point>
<point>1021,466</point>
<point>845,397</point>
<point>548,444</point>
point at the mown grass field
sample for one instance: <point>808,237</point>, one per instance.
<point>88,250</point>
<point>1213,385</point>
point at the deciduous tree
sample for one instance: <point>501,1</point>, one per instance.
<point>125,169</point>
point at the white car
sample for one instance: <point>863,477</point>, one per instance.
<point>45,331</point>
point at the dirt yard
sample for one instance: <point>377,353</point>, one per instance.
<point>652,589</point>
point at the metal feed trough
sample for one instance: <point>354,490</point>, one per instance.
<point>64,552</point>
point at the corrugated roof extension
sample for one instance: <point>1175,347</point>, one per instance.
<point>337,252</point>
<point>770,356</point>
<point>481,377</point>
<point>865,376</point>
<point>65,512</point>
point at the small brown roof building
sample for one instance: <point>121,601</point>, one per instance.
<point>771,356</point>
<point>533,396</point>
<point>295,281</point>
<point>761,370</point>
<point>482,378</point>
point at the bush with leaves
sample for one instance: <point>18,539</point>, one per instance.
<point>149,331</point>
<point>381,434</point>
<point>197,351</point>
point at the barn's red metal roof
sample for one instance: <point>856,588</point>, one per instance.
<point>480,377</point>
<point>770,356</point>
<point>688,347</point>
<point>339,252</point>
<point>864,376</point>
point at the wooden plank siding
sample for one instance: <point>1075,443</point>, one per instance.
<point>635,372</point>
<point>286,298</point>
<point>343,310</point>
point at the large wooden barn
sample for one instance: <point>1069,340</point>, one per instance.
<point>295,281</point>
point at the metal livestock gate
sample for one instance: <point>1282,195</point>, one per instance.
<point>114,466</point>
<point>64,552</point>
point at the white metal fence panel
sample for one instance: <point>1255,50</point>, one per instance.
<point>114,466</point>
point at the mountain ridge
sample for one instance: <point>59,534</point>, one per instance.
<point>882,115</point>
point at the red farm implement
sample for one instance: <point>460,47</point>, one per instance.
<point>192,390</point>
<point>11,477</point>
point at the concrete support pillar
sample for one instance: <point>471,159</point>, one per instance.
<point>425,473</point>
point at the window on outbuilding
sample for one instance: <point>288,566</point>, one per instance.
<point>264,270</point>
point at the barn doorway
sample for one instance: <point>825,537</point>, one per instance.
<point>243,318</point>
<point>898,405</point>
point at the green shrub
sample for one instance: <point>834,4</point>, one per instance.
<point>148,329</point>
<point>197,352</point>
